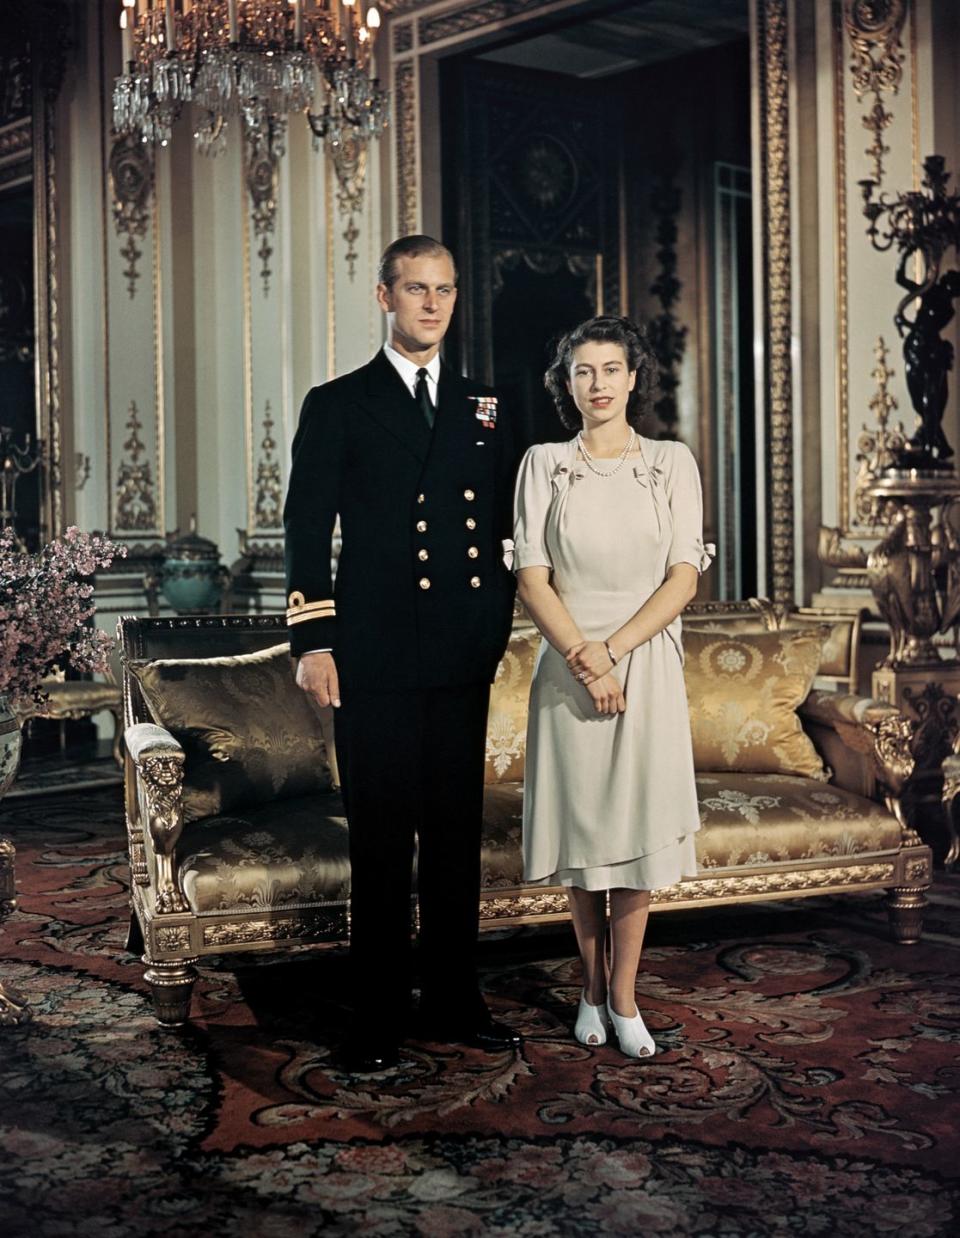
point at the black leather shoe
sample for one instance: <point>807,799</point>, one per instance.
<point>366,1057</point>
<point>486,1034</point>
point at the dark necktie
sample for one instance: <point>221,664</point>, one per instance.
<point>422,397</point>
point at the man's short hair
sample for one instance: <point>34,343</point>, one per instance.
<point>411,247</point>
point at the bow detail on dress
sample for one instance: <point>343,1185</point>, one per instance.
<point>708,552</point>
<point>563,477</point>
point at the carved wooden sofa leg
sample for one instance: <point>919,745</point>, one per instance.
<point>171,984</point>
<point>905,906</point>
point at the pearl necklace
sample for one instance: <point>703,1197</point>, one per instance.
<point>589,461</point>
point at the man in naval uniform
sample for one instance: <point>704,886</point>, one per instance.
<point>419,464</point>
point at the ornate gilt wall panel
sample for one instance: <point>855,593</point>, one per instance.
<point>876,135</point>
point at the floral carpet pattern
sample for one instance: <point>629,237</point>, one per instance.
<point>807,1080</point>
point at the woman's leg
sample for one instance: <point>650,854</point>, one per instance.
<point>588,908</point>
<point>629,910</point>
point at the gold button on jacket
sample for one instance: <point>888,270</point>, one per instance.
<point>475,582</point>
<point>421,526</point>
<point>472,552</point>
<point>423,555</point>
<point>471,523</point>
<point>424,582</point>
<point>469,495</point>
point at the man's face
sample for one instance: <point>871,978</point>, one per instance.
<point>419,303</point>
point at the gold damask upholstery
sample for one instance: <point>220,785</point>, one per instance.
<point>260,859</point>
<point>744,690</point>
<point>249,735</point>
<point>507,718</point>
<point>761,819</point>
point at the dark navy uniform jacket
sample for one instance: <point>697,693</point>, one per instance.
<point>422,596</point>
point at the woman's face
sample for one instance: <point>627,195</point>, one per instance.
<point>600,382</point>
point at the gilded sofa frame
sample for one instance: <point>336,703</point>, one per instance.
<point>868,740</point>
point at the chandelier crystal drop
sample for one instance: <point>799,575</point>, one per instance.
<point>252,62</point>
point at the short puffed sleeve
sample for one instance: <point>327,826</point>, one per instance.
<point>531,503</point>
<point>685,496</point>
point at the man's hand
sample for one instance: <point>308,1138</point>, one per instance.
<point>607,695</point>
<point>589,661</point>
<point>317,676</point>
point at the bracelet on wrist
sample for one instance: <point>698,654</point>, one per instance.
<point>610,654</point>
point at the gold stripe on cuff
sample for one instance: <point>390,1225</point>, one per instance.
<point>311,607</point>
<point>300,617</point>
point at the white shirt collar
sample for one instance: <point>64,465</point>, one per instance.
<point>407,370</point>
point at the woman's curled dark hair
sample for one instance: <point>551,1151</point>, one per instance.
<point>635,343</point>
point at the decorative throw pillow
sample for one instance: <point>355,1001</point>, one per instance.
<point>744,691</point>
<point>249,734</point>
<point>507,719</point>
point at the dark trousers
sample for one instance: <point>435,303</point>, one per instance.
<point>411,764</point>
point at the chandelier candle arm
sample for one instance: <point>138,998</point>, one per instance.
<point>126,35</point>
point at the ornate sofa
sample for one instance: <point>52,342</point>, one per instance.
<point>263,864</point>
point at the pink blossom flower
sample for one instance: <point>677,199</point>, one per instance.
<point>46,609</point>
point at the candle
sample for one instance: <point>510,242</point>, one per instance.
<point>170,27</point>
<point>373,18</point>
<point>126,34</point>
<point>232,18</point>
<point>297,22</point>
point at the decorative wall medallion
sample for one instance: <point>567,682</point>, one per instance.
<point>667,335</point>
<point>546,174</point>
<point>263,162</point>
<point>136,506</point>
<point>874,28</point>
<point>131,182</point>
<point>404,88</point>
<point>269,481</point>
<point>877,449</point>
<point>350,165</point>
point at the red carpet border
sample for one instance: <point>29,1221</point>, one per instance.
<point>806,1084</point>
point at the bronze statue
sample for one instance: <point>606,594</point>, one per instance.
<point>923,224</point>
<point>927,360</point>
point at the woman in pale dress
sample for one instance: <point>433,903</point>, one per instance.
<point>608,549</point>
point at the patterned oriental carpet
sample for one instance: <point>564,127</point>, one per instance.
<point>806,1085</point>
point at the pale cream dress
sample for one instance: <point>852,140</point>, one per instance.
<point>610,801</point>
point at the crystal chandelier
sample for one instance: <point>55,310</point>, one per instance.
<point>253,60</point>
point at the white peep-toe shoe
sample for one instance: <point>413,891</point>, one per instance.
<point>591,1026</point>
<point>635,1040</point>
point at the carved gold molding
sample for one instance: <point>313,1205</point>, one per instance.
<point>261,174</point>
<point>772,31</point>
<point>47,310</point>
<point>874,28</point>
<point>135,504</point>
<point>405,101</point>
<point>350,166</point>
<point>329,923</point>
<point>877,447</point>
<point>131,169</point>
<point>268,499</point>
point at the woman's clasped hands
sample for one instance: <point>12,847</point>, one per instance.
<point>590,664</point>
